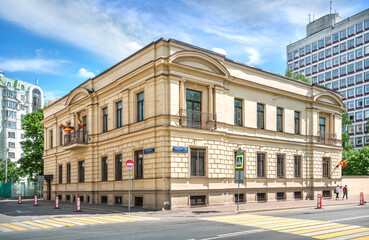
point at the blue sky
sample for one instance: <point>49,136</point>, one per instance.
<point>63,43</point>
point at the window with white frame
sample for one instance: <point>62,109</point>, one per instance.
<point>351,55</point>
<point>315,46</point>
<point>308,48</point>
<point>315,79</point>
<point>328,52</point>
<point>366,23</point>
<point>335,73</point>
<point>350,129</point>
<point>308,70</point>
<point>290,67</point>
<point>359,78</point>
<point>367,88</point>
<point>366,37</point>
<point>315,57</point>
<point>351,30</point>
<point>350,104</point>
<point>366,140</point>
<point>359,90</point>
<point>359,116</point>
<point>352,141</point>
<point>343,70</point>
<point>11,155</point>
<point>359,103</point>
<point>366,100</point>
<point>343,33</point>
<point>366,64</point>
<point>359,40</point>
<point>295,54</point>
<point>290,57</point>
<point>359,65</point>
<point>328,85</point>
<point>335,37</point>
<point>351,92</point>
<point>343,93</point>
<point>359,52</point>
<point>328,75</point>
<point>308,60</point>
<point>335,84</point>
<point>296,64</point>
<point>343,58</point>
<point>328,40</point>
<point>328,63</point>
<point>351,68</point>
<point>350,80</point>
<point>367,75</point>
<point>302,62</point>
<point>359,27</point>
<point>366,114</point>
<point>335,61</point>
<point>351,43</point>
<point>343,46</point>
<point>336,49</point>
<point>359,140</point>
<point>321,66</point>
<point>321,77</point>
<point>343,82</point>
<point>321,43</point>
<point>302,51</point>
<point>321,54</point>
<point>315,68</point>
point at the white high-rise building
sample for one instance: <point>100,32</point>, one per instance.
<point>17,99</point>
<point>335,53</point>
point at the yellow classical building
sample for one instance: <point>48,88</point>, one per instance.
<point>180,113</point>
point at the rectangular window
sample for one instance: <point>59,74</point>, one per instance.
<point>60,174</point>
<point>51,139</point>
<point>322,126</point>
<point>279,119</point>
<point>321,43</point>
<point>138,164</point>
<point>297,122</point>
<point>343,70</point>
<point>118,167</point>
<point>351,80</point>
<point>261,197</point>
<point>297,195</point>
<point>343,47</point>
<point>343,58</point>
<point>335,37</point>
<point>119,114</point>
<point>315,46</point>
<point>81,171</point>
<point>297,166</point>
<point>335,73</point>
<point>308,48</point>
<point>302,51</point>
<point>197,162</point>
<point>11,104</point>
<point>343,34</point>
<point>241,197</point>
<point>193,105</point>
<point>326,166</point>
<point>61,136</point>
<point>11,144</point>
<point>260,165</point>
<point>11,134</point>
<point>328,52</point>
<point>308,60</point>
<point>198,200</point>
<point>11,154</point>
<point>335,85</point>
<point>359,27</point>
<point>260,116</point>
<point>351,30</point>
<point>315,57</point>
<point>140,107</point>
<point>351,55</point>
<point>343,82</point>
<point>321,54</point>
<point>11,114</point>
<point>281,196</point>
<point>328,40</point>
<point>105,119</point>
<point>238,112</point>
<point>359,90</point>
<point>335,61</point>
<point>359,65</point>
<point>359,52</point>
<point>68,173</point>
<point>336,49</point>
<point>104,169</point>
<point>280,166</point>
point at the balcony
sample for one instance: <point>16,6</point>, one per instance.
<point>327,138</point>
<point>196,119</point>
<point>76,139</point>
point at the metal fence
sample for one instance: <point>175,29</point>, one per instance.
<point>28,189</point>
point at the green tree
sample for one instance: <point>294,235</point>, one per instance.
<point>298,76</point>
<point>13,171</point>
<point>32,163</point>
<point>357,162</point>
<point>346,122</point>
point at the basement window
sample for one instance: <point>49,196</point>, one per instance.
<point>104,199</point>
<point>261,197</point>
<point>326,194</point>
<point>67,197</point>
<point>139,201</point>
<point>298,195</point>
<point>281,196</point>
<point>118,200</point>
<point>242,198</point>
<point>198,200</point>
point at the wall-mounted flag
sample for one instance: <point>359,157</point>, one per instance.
<point>80,123</point>
<point>67,128</point>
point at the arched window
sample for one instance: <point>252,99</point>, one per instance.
<point>36,99</point>
<point>22,87</point>
<point>8,84</point>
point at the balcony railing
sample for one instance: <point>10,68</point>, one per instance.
<point>197,119</point>
<point>78,136</point>
<point>327,138</point>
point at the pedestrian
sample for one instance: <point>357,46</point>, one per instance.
<point>344,190</point>
<point>337,192</point>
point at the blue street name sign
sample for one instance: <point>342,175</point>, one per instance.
<point>180,149</point>
<point>149,150</point>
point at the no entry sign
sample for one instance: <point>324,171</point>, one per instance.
<point>129,164</point>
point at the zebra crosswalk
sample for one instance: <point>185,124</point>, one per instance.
<point>309,228</point>
<point>60,222</point>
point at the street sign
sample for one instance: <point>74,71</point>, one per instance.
<point>239,161</point>
<point>129,164</point>
<point>149,150</point>
<point>180,149</point>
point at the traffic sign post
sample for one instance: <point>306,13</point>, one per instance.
<point>78,204</point>
<point>56,202</point>
<point>19,198</point>
<point>35,201</point>
<point>129,165</point>
<point>239,166</point>
<point>319,202</point>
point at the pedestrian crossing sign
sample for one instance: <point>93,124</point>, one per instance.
<point>239,161</point>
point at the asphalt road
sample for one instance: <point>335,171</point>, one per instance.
<point>352,218</point>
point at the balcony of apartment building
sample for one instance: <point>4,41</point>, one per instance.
<point>326,133</point>
<point>76,139</point>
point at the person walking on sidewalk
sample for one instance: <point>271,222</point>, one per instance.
<point>344,190</point>
<point>337,192</point>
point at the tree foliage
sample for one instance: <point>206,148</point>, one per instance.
<point>346,122</point>
<point>298,76</point>
<point>32,163</point>
<point>13,171</point>
<point>357,162</point>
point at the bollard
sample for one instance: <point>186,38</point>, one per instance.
<point>35,201</point>
<point>19,198</point>
<point>361,198</point>
<point>78,204</point>
<point>57,202</point>
<point>319,201</point>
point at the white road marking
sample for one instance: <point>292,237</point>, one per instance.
<point>49,223</point>
<point>344,219</point>
<point>25,225</point>
<point>5,229</point>
<point>236,234</point>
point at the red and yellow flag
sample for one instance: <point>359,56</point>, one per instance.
<point>342,163</point>
<point>67,128</point>
<point>80,123</point>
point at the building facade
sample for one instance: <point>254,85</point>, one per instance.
<point>180,113</point>
<point>18,98</point>
<point>335,53</point>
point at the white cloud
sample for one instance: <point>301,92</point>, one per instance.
<point>219,50</point>
<point>37,65</point>
<point>253,56</point>
<point>53,95</point>
<point>84,73</point>
<point>102,29</point>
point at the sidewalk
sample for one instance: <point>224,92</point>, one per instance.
<point>213,210</point>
